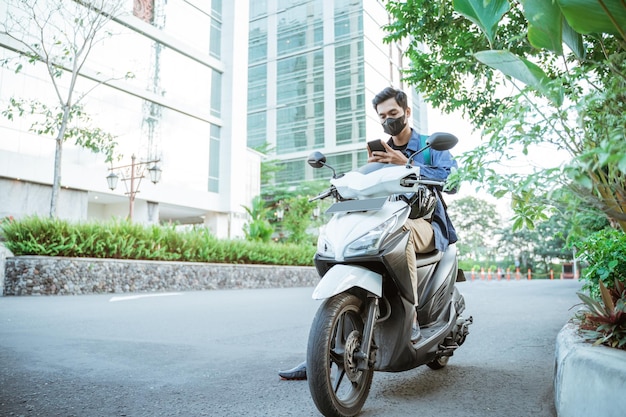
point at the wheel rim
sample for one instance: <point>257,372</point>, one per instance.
<point>344,377</point>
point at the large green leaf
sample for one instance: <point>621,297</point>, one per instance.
<point>521,69</point>
<point>595,16</point>
<point>484,13</point>
<point>573,40</point>
<point>544,24</point>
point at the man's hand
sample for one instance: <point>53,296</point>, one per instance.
<point>390,157</point>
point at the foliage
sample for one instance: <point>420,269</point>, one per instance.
<point>79,125</point>
<point>60,35</point>
<point>604,322</point>
<point>477,224</point>
<point>603,253</point>
<point>297,211</point>
<point>269,167</point>
<point>125,240</point>
<point>502,64</point>
<point>258,228</point>
<point>297,219</point>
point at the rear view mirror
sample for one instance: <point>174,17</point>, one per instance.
<point>442,141</point>
<point>317,159</point>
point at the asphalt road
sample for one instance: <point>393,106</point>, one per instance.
<point>217,353</point>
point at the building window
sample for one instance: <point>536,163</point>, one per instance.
<point>257,87</point>
<point>292,172</point>
<point>214,159</point>
<point>258,8</point>
<point>349,96</point>
<point>216,8</point>
<point>348,20</point>
<point>257,125</point>
<point>257,43</point>
<point>300,27</point>
<point>215,42</point>
<point>216,94</point>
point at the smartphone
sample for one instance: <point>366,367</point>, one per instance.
<point>376,145</point>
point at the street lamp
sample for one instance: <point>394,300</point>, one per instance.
<point>132,175</point>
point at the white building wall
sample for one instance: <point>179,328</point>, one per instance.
<point>26,161</point>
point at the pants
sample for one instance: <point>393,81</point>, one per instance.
<point>421,240</point>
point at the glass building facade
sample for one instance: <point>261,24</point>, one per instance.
<point>314,67</point>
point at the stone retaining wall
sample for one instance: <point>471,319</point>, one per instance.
<point>41,275</point>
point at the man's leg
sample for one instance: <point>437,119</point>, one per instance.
<point>421,240</point>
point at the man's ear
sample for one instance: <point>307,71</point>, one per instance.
<point>407,111</point>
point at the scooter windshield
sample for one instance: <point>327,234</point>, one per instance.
<point>373,166</point>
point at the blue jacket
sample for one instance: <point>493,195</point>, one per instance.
<point>441,163</point>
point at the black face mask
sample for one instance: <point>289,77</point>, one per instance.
<point>394,126</point>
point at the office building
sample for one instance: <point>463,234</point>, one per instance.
<point>314,68</point>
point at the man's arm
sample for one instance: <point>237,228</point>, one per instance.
<point>442,163</point>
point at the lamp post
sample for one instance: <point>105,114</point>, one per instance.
<point>132,175</point>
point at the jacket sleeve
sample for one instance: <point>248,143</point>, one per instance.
<point>442,164</point>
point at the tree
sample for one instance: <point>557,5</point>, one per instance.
<point>477,223</point>
<point>60,34</point>
<point>528,74</point>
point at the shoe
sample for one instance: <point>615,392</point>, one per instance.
<point>297,373</point>
<point>415,333</point>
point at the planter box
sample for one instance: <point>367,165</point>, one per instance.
<point>589,380</point>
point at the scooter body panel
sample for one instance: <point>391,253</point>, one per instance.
<point>341,278</point>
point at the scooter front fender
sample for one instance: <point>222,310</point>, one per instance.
<point>340,278</point>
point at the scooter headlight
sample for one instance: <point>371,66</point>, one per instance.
<point>324,247</point>
<point>369,243</point>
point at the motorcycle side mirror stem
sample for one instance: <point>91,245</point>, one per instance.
<point>438,141</point>
<point>318,160</point>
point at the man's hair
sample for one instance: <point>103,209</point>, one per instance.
<point>388,93</point>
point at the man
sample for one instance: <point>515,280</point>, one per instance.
<point>392,108</point>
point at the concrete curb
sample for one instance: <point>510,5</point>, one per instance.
<point>588,380</point>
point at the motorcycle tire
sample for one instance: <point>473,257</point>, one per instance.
<point>338,388</point>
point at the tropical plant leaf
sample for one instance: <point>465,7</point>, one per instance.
<point>606,298</point>
<point>544,24</point>
<point>573,40</point>
<point>592,305</point>
<point>484,13</point>
<point>584,16</point>
<point>523,70</point>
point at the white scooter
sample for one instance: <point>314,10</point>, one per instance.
<point>364,324</point>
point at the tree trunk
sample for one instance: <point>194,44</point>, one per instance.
<point>58,157</point>
<point>56,183</point>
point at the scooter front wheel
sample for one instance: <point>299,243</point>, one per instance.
<point>337,386</point>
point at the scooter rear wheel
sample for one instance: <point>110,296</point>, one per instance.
<point>338,388</point>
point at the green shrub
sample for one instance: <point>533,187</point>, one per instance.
<point>604,254</point>
<point>121,239</point>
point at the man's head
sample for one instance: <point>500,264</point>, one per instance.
<point>393,110</point>
<point>390,93</point>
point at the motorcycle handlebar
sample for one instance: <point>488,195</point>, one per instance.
<point>324,194</point>
<point>426,181</point>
